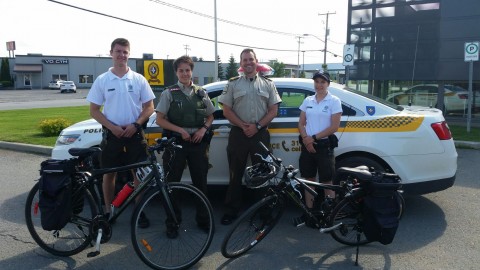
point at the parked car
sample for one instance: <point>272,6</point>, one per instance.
<point>455,97</point>
<point>68,87</point>
<point>413,142</point>
<point>55,84</point>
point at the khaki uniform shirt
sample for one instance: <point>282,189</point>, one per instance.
<point>250,99</point>
<point>166,98</point>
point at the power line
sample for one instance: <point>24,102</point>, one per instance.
<point>221,20</point>
<point>177,33</point>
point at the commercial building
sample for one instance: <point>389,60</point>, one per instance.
<point>403,43</point>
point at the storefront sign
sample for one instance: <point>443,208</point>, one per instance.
<point>55,61</point>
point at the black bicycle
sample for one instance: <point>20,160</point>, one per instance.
<point>174,240</point>
<point>343,220</point>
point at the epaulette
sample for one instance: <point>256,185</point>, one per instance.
<point>266,78</point>
<point>234,78</point>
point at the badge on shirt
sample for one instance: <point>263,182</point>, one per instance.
<point>325,109</point>
<point>130,88</point>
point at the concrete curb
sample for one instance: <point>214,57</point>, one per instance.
<point>28,148</point>
<point>47,151</point>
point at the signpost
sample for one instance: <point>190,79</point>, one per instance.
<point>471,54</point>
<point>348,53</point>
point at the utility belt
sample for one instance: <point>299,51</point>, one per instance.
<point>169,134</point>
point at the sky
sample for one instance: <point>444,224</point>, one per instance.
<point>169,29</point>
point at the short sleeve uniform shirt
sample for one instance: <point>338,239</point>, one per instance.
<point>319,114</point>
<point>122,98</point>
<point>250,98</point>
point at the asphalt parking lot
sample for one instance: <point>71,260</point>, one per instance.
<point>438,231</point>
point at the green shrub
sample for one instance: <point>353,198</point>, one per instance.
<point>53,127</point>
<point>6,83</point>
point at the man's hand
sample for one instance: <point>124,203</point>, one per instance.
<point>128,131</point>
<point>249,129</point>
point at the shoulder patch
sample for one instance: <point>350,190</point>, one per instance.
<point>234,78</point>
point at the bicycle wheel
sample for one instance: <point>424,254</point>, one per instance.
<point>252,226</point>
<point>70,240</point>
<point>347,216</point>
<point>164,244</point>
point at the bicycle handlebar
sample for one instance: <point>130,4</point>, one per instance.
<point>163,143</point>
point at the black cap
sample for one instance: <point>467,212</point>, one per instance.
<point>323,75</point>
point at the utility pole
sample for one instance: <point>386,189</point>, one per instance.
<point>215,79</point>
<point>326,35</point>
<point>298,57</point>
<point>187,48</point>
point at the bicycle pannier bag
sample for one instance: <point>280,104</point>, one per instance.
<point>381,212</point>
<point>55,190</point>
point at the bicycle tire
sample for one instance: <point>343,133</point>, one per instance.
<point>348,212</point>
<point>253,226</point>
<point>70,240</point>
<point>152,244</point>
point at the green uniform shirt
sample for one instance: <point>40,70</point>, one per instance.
<point>250,99</point>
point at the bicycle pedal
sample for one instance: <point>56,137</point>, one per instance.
<point>93,254</point>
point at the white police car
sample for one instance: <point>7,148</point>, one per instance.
<point>414,142</point>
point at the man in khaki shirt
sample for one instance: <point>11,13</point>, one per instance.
<point>250,102</point>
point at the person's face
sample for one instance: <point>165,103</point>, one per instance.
<point>120,54</point>
<point>249,63</point>
<point>320,84</point>
<point>184,73</point>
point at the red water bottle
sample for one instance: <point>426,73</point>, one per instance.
<point>123,194</point>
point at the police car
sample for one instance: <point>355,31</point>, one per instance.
<point>413,142</point>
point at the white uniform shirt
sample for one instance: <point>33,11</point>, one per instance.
<point>318,115</point>
<point>122,98</point>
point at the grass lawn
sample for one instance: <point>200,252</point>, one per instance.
<point>23,125</point>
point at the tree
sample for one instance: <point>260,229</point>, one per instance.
<point>5,71</point>
<point>220,69</point>
<point>279,68</point>
<point>232,68</point>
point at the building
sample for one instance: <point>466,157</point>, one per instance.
<point>403,43</point>
<point>35,71</point>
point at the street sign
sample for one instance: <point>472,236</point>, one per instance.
<point>471,51</point>
<point>348,52</point>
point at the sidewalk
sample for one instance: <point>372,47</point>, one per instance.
<point>47,151</point>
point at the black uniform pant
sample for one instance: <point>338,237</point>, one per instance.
<point>238,149</point>
<point>196,155</point>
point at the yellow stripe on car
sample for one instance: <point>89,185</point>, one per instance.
<point>386,124</point>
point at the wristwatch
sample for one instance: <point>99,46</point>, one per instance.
<point>314,136</point>
<point>259,126</point>
<point>137,125</point>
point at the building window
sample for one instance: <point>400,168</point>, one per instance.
<point>59,77</point>
<point>85,78</point>
<point>207,80</point>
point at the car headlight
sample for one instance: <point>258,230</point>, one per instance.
<point>67,139</point>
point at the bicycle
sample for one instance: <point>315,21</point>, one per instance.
<point>171,207</point>
<point>342,220</point>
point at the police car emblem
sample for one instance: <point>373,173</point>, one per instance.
<point>370,110</point>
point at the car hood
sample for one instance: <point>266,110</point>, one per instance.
<point>82,127</point>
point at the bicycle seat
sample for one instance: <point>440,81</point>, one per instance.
<point>361,173</point>
<point>83,152</point>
